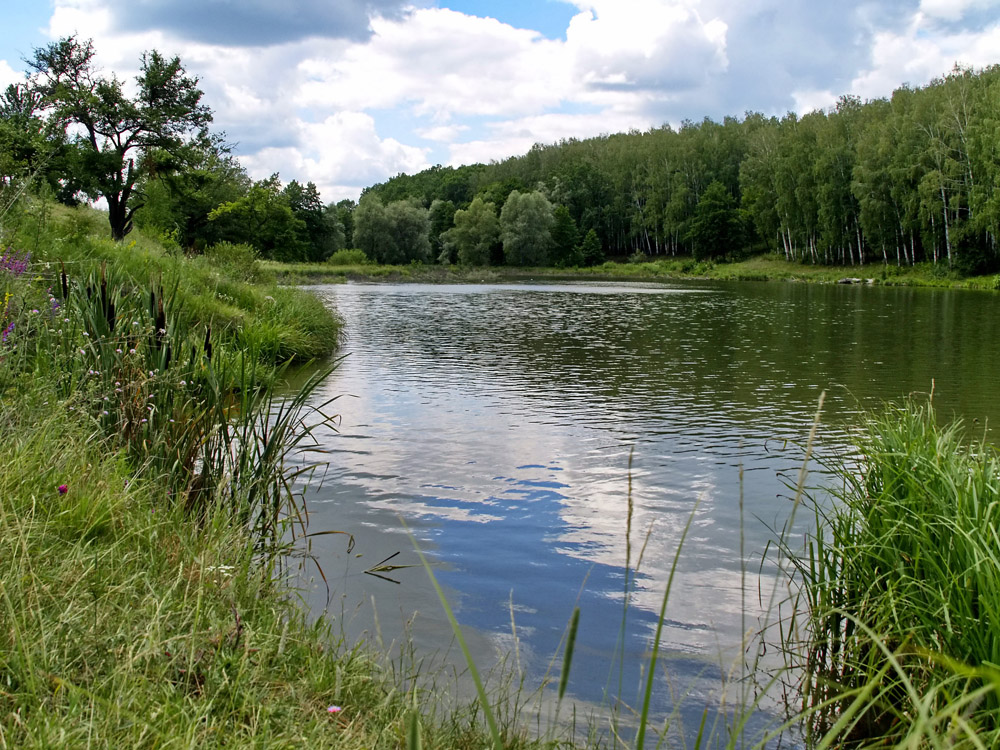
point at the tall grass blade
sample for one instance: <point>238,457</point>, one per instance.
<point>647,697</point>
<point>470,662</point>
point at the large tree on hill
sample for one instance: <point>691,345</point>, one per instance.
<point>121,138</point>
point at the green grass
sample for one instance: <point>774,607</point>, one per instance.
<point>759,268</point>
<point>124,624</point>
<point>902,583</point>
<point>226,288</point>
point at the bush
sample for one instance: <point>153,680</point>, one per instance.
<point>239,259</point>
<point>349,258</point>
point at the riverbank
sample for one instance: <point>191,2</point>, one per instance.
<point>761,268</point>
<point>145,504</point>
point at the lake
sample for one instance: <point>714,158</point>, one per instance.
<point>494,425</point>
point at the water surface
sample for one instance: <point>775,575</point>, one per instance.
<point>496,423</point>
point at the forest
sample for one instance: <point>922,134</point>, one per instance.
<point>908,179</point>
<point>912,178</point>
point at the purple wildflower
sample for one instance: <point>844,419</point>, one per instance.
<point>63,489</point>
<point>14,262</point>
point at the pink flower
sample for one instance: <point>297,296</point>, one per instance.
<point>334,710</point>
<point>63,489</point>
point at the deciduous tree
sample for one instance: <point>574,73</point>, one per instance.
<point>526,229</point>
<point>122,138</point>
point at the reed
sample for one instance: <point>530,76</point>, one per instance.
<point>901,579</point>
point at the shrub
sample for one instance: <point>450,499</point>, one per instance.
<point>349,258</point>
<point>239,259</point>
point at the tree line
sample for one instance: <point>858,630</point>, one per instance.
<point>909,178</point>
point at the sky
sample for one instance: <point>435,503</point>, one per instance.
<point>347,93</point>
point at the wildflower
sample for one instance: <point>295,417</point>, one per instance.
<point>131,351</point>
<point>184,382</point>
<point>105,412</point>
<point>86,334</point>
<point>83,351</point>
<point>63,489</point>
<point>13,262</point>
<point>118,351</point>
<point>334,709</point>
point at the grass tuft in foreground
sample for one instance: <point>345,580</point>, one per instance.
<point>902,582</point>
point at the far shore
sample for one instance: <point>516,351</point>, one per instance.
<point>766,268</point>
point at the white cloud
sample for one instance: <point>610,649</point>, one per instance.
<point>442,133</point>
<point>8,75</point>
<point>513,137</point>
<point>642,45</point>
<point>916,56</point>
<point>441,63</point>
<point>339,154</point>
<point>811,100</point>
<point>476,89</point>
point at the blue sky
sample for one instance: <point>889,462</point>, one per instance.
<point>346,93</point>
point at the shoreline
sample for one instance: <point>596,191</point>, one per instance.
<point>756,269</point>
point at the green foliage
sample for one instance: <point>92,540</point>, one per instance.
<point>526,229</point>
<point>322,233</point>
<point>442,218</point>
<point>590,250</point>
<point>238,260</point>
<point>123,138</point>
<point>457,185</point>
<point>902,578</point>
<point>263,218</point>
<point>372,230</point>
<point>28,151</point>
<point>715,229</point>
<point>475,236</point>
<point>907,180</point>
<point>410,226</point>
<point>565,237</point>
<point>180,202</point>
<point>348,258</point>
<point>397,233</point>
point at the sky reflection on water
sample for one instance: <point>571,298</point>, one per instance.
<point>498,422</point>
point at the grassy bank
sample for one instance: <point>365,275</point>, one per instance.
<point>761,268</point>
<point>144,502</point>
